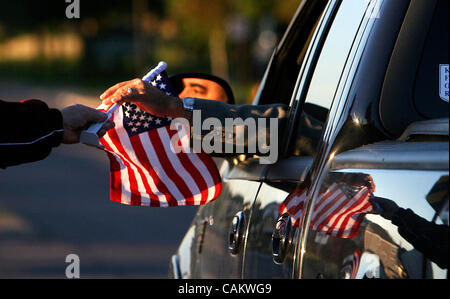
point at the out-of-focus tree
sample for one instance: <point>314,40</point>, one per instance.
<point>119,39</point>
<point>235,36</point>
<point>203,21</point>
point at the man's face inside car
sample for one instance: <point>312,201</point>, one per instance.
<point>203,89</point>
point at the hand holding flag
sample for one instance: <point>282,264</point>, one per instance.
<point>145,170</point>
<point>155,98</point>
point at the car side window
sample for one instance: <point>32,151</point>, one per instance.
<point>326,77</point>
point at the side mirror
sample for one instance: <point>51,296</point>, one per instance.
<point>203,86</point>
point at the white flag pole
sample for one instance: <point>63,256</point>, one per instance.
<point>162,66</point>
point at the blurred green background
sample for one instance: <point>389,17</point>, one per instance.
<point>113,40</point>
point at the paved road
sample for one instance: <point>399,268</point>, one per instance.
<point>61,206</point>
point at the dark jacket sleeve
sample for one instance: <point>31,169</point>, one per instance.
<point>28,131</point>
<point>429,238</point>
<point>268,119</point>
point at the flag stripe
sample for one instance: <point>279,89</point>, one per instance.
<point>328,194</point>
<point>332,201</point>
<point>176,161</point>
<point>135,185</point>
<point>355,220</point>
<point>115,179</point>
<point>145,170</point>
<point>334,213</point>
<point>156,187</point>
<point>338,206</point>
<point>122,142</point>
<point>355,263</point>
<point>203,163</point>
<point>124,173</point>
<point>202,167</point>
<point>186,194</point>
<point>176,197</point>
<point>341,218</point>
<point>213,173</point>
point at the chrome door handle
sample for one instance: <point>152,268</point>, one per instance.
<point>236,233</point>
<point>281,238</point>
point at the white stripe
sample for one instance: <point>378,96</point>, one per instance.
<point>31,142</point>
<point>126,143</point>
<point>125,196</point>
<point>336,214</point>
<point>352,220</point>
<point>178,166</point>
<point>337,197</point>
<point>293,202</point>
<point>331,190</point>
<point>296,200</point>
<point>202,169</point>
<point>206,175</point>
<point>346,208</point>
<point>154,161</point>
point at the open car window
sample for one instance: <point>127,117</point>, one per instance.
<point>326,77</point>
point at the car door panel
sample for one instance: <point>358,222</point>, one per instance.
<point>281,179</point>
<point>214,258</point>
<point>379,248</point>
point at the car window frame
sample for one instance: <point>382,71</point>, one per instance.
<point>335,120</point>
<point>307,70</point>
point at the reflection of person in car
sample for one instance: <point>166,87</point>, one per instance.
<point>427,237</point>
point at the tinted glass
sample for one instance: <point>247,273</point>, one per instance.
<point>431,87</point>
<point>327,75</point>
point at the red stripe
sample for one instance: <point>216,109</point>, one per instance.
<point>356,225</point>
<point>173,175</point>
<point>296,195</point>
<point>327,195</point>
<point>358,221</point>
<point>143,158</point>
<point>168,168</point>
<point>140,154</point>
<point>282,208</point>
<point>327,207</point>
<point>336,211</point>
<point>295,209</point>
<point>214,172</point>
<point>355,266</point>
<point>344,226</point>
<point>135,194</point>
<point>193,171</point>
<point>115,189</point>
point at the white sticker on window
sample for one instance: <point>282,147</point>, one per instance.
<point>443,82</point>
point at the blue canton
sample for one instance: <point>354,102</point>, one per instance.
<point>137,121</point>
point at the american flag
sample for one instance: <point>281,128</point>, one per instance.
<point>339,211</point>
<point>351,264</point>
<point>145,170</point>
